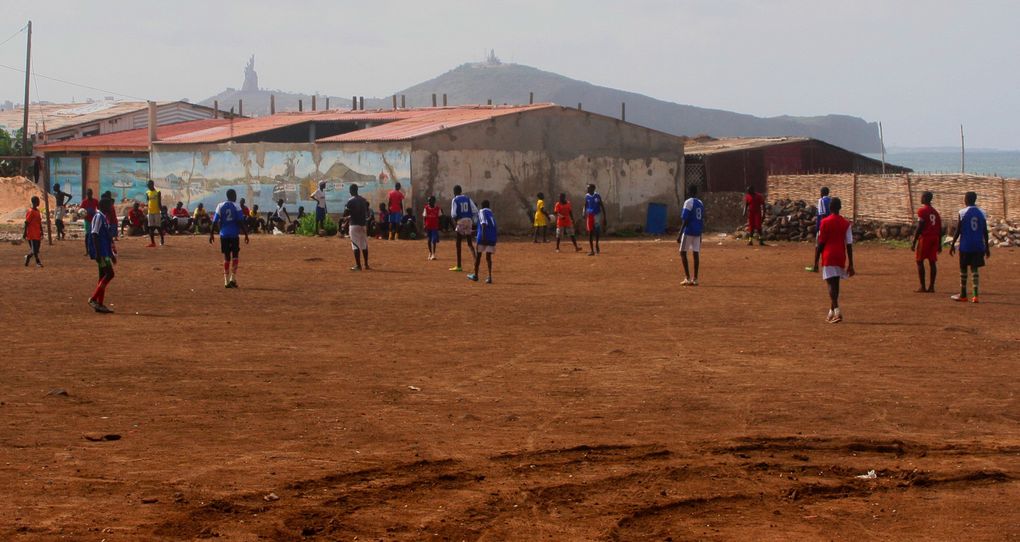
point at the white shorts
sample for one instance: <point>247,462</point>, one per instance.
<point>359,237</point>
<point>830,271</point>
<point>61,211</point>
<point>486,249</point>
<point>690,243</point>
<point>564,232</point>
<point>463,226</point>
<point>154,221</point>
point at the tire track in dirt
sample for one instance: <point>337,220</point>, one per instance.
<point>608,491</point>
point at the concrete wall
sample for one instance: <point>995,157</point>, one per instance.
<point>264,172</point>
<point>510,159</point>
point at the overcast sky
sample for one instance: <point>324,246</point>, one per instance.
<point>922,67</point>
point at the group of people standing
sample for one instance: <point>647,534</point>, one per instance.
<point>476,226</point>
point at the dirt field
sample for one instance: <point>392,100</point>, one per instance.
<point>576,398</point>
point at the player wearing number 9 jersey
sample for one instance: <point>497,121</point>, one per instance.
<point>927,241</point>
<point>691,225</point>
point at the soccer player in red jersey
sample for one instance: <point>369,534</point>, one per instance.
<point>430,217</point>
<point>836,251</point>
<point>927,243</point>
<point>33,232</point>
<point>754,209</point>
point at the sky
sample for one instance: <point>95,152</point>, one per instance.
<point>921,67</point>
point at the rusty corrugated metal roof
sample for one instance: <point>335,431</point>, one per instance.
<point>431,120</point>
<point>737,144</point>
<point>59,116</point>
<point>252,126</point>
<point>129,140</point>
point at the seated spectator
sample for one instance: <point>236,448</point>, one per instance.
<point>370,225</point>
<point>255,224</point>
<point>279,218</point>
<point>164,218</point>
<point>180,219</point>
<point>136,221</point>
<point>201,220</point>
<point>293,226</point>
<point>408,227</point>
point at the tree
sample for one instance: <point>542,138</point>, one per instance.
<point>10,145</point>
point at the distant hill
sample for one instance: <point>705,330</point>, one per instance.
<point>511,83</point>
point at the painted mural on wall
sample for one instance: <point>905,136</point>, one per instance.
<point>124,177</point>
<point>264,176</point>
<point>66,171</point>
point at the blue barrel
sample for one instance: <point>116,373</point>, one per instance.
<point>656,223</point>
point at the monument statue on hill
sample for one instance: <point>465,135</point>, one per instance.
<point>251,79</point>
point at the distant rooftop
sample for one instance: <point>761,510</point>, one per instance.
<point>737,144</point>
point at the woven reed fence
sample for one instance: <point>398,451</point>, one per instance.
<point>894,199</point>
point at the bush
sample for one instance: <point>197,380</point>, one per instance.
<point>306,226</point>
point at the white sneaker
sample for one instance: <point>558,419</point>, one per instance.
<point>686,282</point>
<point>828,318</point>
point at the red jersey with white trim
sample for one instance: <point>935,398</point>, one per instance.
<point>835,234</point>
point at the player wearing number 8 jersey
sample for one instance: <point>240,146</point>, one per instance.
<point>927,241</point>
<point>691,226</point>
<point>972,231</point>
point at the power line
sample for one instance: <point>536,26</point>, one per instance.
<point>20,30</point>
<point>34,73</point>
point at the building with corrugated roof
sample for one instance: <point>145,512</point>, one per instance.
<point>733,164</point>
<point>48,123</point>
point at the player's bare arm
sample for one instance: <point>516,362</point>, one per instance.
<point>850,271</point>
<point>819,247</point>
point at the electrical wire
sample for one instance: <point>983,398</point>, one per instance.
<point>73,83</point>
<point>20,30</point>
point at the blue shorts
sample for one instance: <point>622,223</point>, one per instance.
<point>433,236</point>
<point>320,214</point>
<point>395,218</point>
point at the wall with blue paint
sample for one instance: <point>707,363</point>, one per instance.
<point>265,172</point>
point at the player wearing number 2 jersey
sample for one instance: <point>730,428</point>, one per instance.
<point>691,225</point>
<point>927,241</point>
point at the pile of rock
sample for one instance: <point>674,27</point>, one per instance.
<point>1004,234</point>
<point>787,220</point>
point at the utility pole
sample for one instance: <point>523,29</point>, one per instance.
<point>963,152</point>
<point>881,140</point>
<point>28,78</point>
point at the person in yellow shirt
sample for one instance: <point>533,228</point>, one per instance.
<point>201,219</point>
<point>155,204</point>
<point>541,219</point>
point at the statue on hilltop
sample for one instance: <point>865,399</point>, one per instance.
<point>251,79</point>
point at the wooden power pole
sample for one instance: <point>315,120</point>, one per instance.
<point>28,78</point>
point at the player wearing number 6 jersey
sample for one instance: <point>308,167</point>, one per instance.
<point>972,231</point>
<point>927,241</point>
<point>691,225</point>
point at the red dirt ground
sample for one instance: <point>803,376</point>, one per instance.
<point>576,398</point>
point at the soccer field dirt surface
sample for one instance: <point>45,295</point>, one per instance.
<point>577,398</point>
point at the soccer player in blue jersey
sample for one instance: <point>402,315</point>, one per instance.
<point>972,231</point>
<point>486,241</point>
<point>823,210</point>
<point>593,209</point>
<point>231,220</point>
<point>463,211</point>
<point>103,252</point>
<point>692,222</point>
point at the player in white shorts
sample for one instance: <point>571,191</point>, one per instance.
<point>691,226</point>
<point>463,211</point>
